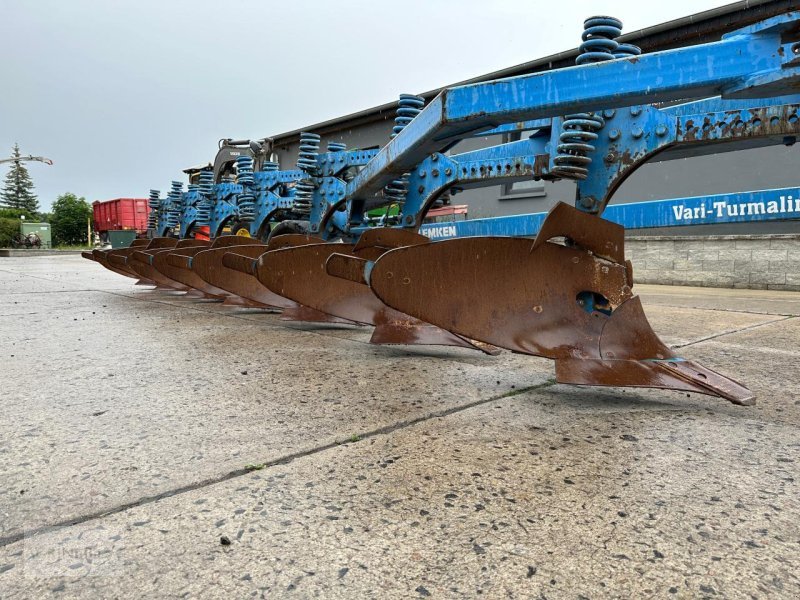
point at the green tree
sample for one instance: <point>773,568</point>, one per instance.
<point>18,188</point>
<point>8,229</point>
<point>10,225</point>
<point>69,220</point>
<point>14,213</point>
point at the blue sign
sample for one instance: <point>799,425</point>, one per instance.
<point>763,205</point>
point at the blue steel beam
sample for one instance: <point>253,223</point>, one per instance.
<point>630,138</point>
<point>718,104</point>
<point>687,108</point>
<point>726,68</point>
<point>504,163</point>
<point>633,137</point>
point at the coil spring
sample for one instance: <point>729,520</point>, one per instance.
<point>625,50</point>
<point>270,166</point>
<point>598,39</point>
<point>304,192</point>
<point>408,107</point>
<point>579,130</point>
<point>575,143</point>
<point>336,147</point>
<point>203,208</point>
<point>205,187</point>
<point>244,174</point>
<point>244,170</point>
<point>309,149</point>
<point>154,202</point>
<point>174,204</point>
<point>307,161</point>
<point>205,184</point>
<point>203,212</point>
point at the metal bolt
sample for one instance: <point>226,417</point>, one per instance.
<point>409,219</point>
<point>448,172</point>
<point>609,113</point>
<point>435,172</point>
<point>588,201</point>
<point>423,174</point>
<point>636,111</point>
<point>614,134</point>
<point>637,132</point>
<point>661,130</point>
<point>434,157</point>
<point>610,157</point>
<point>421,189</point>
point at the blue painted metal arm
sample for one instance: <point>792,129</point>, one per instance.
<point>634,136</point>
<point>516,127</point>
<point>741,63</point>
<point>631,138</point>
<point>718,104</point>
<point>504,163</point>
<point>715,104</point>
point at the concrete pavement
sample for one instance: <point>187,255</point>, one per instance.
<point>156,446</point>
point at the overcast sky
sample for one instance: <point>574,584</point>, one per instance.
<point>123,95</point>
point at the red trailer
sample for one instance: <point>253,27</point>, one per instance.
<point>121,213</point>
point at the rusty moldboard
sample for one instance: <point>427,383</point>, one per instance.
<point>183,276</point>
<point>177,265</point>
<point>546,299</point>
<point>101,256</point>
<point>292,311</point>
<point>119,258</point>
<point>141,261</point>
<point>210,266</point>
<point>299,273</point>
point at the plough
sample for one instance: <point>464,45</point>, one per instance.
<point>313,253</point>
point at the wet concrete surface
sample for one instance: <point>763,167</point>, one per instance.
<point>140,430</point>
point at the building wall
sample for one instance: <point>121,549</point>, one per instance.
<point>744,261</point>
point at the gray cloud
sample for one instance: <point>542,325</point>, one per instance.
<point>123,95</point>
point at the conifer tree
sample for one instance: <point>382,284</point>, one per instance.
<point>17,190</point>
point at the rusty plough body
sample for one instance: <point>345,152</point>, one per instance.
<point>315,254</point>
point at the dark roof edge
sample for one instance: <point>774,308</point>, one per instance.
<point>692,29</point>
